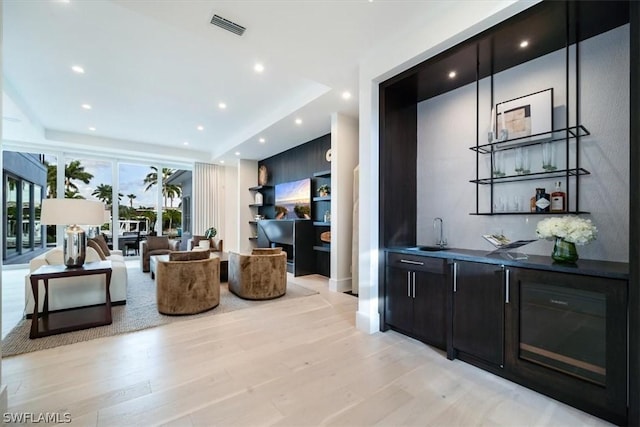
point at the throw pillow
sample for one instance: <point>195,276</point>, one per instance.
<point>92,255</point>
<point>266,251</point>
<point>157,242</point>
<point>95,246</point>
<point>188,255</point>
<point>196,240</point>
<point>103,244</point>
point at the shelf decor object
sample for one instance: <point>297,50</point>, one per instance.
<point>564,252</point>
<point>526,116</point>
<point>263,175</point>
<point>72,213</point>
<point>566,231</point>
<point>324,190</point>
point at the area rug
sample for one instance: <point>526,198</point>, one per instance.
<point>139,313</point>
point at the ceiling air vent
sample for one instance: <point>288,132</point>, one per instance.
<point>227,25</point>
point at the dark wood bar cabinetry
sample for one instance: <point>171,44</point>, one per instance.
<point>566,336</point>
<point>416,297</point>
<point>559,330</point>
<point>478,312</point>
<point>487,322</point>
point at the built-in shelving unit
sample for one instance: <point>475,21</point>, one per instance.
<point>321,204</point>
<point>257,208</point>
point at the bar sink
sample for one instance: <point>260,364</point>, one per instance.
<point>430,248</point>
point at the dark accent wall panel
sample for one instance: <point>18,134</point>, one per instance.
<point>298,162</point>
<point>398,154</point>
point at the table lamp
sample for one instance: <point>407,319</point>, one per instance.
<point>72,212</point>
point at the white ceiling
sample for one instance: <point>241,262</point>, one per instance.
<point>155,70</point>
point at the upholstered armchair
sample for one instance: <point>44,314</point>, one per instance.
<point>260,275</point>
<point>188,283</point>
<point>155,245</point>
<point>215,245</point>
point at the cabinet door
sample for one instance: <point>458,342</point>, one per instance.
<point>478,311</point>
<point>399,300</point>
<point>429,308</point>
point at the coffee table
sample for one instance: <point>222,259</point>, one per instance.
<point>224,264</point>
<point>45,323</point>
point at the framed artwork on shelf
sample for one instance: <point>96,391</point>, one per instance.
<point>526,116</point>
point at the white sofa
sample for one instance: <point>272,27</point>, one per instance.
<point>77,291</point>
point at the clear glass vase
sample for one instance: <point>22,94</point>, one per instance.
<point>564,252</point>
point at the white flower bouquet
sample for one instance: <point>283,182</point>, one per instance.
<point>569,228</point>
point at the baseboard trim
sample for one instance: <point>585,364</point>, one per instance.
<point>340,285</point>
<point>367,324</point>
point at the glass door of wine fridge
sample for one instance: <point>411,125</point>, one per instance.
<point>566,336</point>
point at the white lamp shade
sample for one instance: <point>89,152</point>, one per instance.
<point>72,211</point>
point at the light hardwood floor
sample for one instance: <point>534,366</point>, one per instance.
<point>298,362</point>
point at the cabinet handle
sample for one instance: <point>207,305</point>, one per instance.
<point>409,284</point>
<point>455,277</point>
<point>408,261</point>
<point>506,287</point>
<point>414,283</point>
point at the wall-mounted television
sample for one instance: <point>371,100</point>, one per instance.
<point>293,199</point>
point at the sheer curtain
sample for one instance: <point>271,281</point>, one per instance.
<point>208,194</point>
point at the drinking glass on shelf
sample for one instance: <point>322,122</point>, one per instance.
<point>526,165</point>
<point>499,204</point>
<point>516,204</point>
<point>548,158</point>
<point>519,161</point>
<point>498,164</point>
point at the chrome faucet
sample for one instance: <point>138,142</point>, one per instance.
<point>442,243</point>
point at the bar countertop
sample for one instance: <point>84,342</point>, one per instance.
<point>587,267</point>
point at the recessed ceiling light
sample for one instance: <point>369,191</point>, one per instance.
<point>524,43</point>
<point>261,140</point>
<point>258,68</point>
<point>185,143</point>
<point>86,106</point>
<point>200,127</point>
<point>298,121</point>
<point>346,94</point>
<point>92,129</point>
<point>452,74</point>
<point>237,153</point>
<point>78,69</point>
<point>221,161</point>
<point>222,105</point>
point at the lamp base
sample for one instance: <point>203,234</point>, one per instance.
<point>75,246</point>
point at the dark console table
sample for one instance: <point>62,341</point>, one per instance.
<point>73,319</point>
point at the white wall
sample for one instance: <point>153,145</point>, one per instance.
<point>230,209</point>
<point>247,177</point>
<point>446,130</point>
<point>344,157</point>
